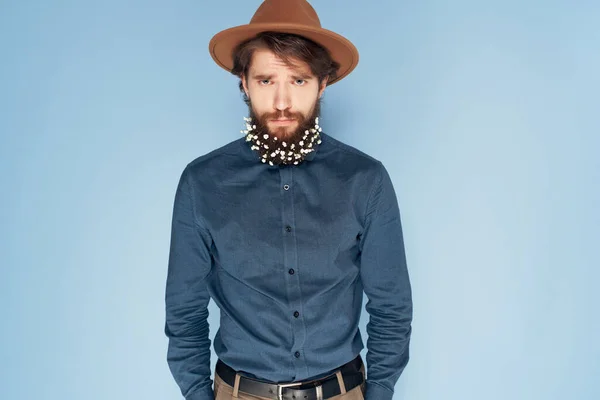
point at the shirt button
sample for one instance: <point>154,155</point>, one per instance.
<point>286,187</point>
<point>296,314</point>
<point>297,354</point>
<point>288,228</point>
<point>291,271</point>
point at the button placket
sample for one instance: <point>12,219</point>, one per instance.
<point>292,279</point>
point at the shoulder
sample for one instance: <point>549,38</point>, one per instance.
<point>355,161</point>
<point>215,161</point>
<point>216,156</point>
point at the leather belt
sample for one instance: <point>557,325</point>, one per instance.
<point>319,389</point>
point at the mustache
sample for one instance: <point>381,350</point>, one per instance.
<point>285,114</point>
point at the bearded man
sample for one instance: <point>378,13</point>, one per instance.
<point>285,229</point>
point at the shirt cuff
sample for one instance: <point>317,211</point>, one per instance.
<point>377,392</point>
<point>206,393</point>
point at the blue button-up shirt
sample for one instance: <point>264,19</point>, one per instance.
<point>286,253</point>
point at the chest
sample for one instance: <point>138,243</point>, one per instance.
<point>286,220</point>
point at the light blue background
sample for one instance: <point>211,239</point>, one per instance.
<point>485,114</point>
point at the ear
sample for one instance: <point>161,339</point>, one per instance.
<point>245,84</point>
<point>322,86</point>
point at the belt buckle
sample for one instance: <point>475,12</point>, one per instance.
<point>280,388</point>
<point>318,388</point>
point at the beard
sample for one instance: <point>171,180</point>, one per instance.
<point>280,146</point>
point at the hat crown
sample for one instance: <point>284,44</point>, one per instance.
<point>286,11</point>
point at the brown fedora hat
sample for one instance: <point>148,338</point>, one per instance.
<point>286,16</point>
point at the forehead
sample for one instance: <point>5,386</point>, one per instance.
<point>265,61</point>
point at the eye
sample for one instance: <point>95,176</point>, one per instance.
<point>300,82</point>
<point>264,82</point>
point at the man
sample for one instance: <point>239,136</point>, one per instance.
<point>284,229</point>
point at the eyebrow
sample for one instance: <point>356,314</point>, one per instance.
<point>302,76</point>
<point>261,77</point>
<point>298,75</point>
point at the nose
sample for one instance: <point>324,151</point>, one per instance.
<point>282,99</point>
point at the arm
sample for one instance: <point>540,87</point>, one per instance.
<point>187,298</point>
<point>386,283</point>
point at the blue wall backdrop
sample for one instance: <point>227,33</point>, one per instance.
<point>485,114</point>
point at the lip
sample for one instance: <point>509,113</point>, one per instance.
<point>282,121</point>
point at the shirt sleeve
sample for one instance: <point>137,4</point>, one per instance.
<point>386,283</point>
<point>187,298</point>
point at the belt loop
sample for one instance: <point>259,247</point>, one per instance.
<point>236,386</point>
<point>319,392</point>
<point>340,379</point>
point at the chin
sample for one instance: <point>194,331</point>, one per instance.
<point>284,133</point>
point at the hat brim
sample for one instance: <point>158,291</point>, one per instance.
<point>341,49</point>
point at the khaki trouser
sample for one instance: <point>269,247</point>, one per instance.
<point>225,392</point>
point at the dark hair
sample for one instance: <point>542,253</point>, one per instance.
<point>289,47</point>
